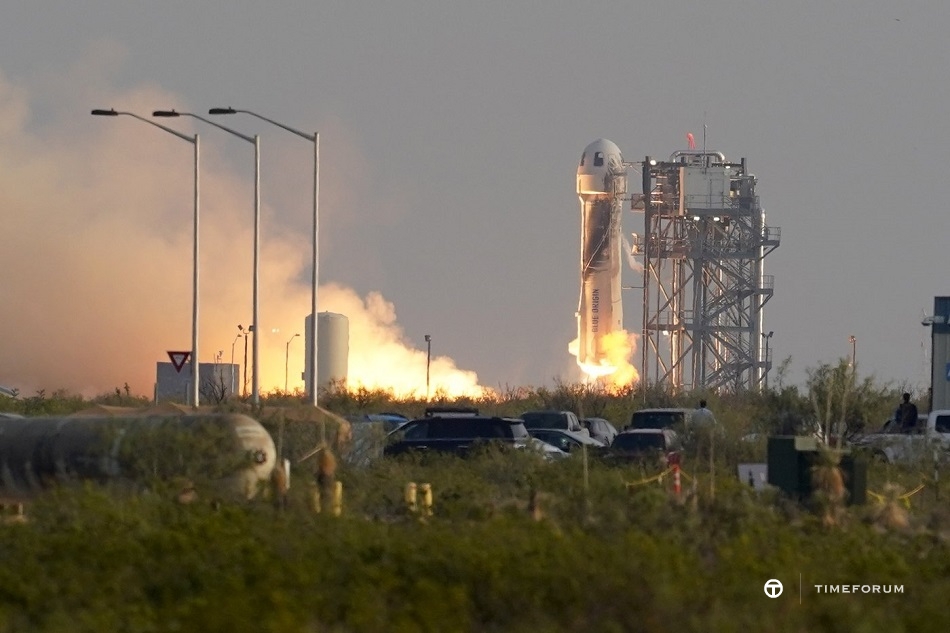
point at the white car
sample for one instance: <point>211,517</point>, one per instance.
<point>600,429</point>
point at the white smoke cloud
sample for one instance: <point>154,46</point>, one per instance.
<point>96,251</point>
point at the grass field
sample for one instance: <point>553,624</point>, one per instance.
<point>513,543</point>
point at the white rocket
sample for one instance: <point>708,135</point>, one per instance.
<point>601,184</point>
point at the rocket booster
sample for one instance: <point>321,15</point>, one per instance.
<point>601,184</point>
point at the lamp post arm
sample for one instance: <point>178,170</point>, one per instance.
<point>309,137</point>
<point>175,113</point>
<point>185,137</point>
<point>249,139</point>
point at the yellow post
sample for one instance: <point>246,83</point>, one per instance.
<point>426,499</point>
<point>338,499</point>
<point>411,497</point>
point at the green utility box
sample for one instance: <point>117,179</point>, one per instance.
<point>790,459</point>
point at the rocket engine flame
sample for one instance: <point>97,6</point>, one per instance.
<point>615,368</point>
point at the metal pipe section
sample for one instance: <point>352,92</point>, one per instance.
<point>40,453</point>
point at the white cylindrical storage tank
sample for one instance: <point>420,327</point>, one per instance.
<point>333,348</point>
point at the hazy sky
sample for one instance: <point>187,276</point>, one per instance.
<point>450,136</point>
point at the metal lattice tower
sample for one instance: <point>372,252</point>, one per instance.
<point>704,290</point>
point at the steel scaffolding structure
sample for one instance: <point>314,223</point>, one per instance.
<point>704,290</point>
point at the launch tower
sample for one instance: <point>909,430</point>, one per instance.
<point>704,289</point>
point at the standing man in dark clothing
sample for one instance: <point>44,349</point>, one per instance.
<point>907,415</point>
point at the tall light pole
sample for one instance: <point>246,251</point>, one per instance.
<point>194,281</point>
<point>233,377</point>
<point>428,360</point>
<point>245,333</point>
<point>312,386</point>
<point>287,360</point>
<point>768,364</point>
<point>854,342</point>
<point>255,325</point>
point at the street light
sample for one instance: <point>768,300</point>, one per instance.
<point>255,141</point>
<point>244,333</point>
<point>853,341</point>
<point>315,139</point>
<point>233,377</point>
<point>428,359</point>
<point>768,364</point>
<point>194,283</point>
<point>287,360</point>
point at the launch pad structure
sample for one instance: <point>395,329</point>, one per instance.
<point>704,288</point>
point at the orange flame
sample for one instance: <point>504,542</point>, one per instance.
<point>615,369</point>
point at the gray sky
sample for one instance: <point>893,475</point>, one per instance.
<point>450,135</point>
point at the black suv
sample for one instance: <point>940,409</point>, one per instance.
<point>455,434</point>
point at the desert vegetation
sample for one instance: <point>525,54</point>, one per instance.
<point>512,543</point>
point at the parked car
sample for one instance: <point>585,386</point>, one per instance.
<point>643,444</point>
<point>600,429</point>
<point>929,440</point>
<point>566,420</point>
<point>387,421</point>
<point>547,451</point>
<point>567,441</point>
<point>369,434</point>
<point>455,434</point>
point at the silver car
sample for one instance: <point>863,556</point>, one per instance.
<point>600,429</point>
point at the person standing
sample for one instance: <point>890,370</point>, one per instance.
<point>907,415</point>
<point>703,416</point>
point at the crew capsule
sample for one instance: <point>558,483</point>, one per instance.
<point>601,164</point>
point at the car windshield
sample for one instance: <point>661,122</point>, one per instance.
<point>544,420</point>
<point>518,431</point>
<point>656,419</point>
<point>559,440</point>
<point>638,441</point>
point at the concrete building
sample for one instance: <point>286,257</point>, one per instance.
<point>216,382</point>
<point>939,324</point>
